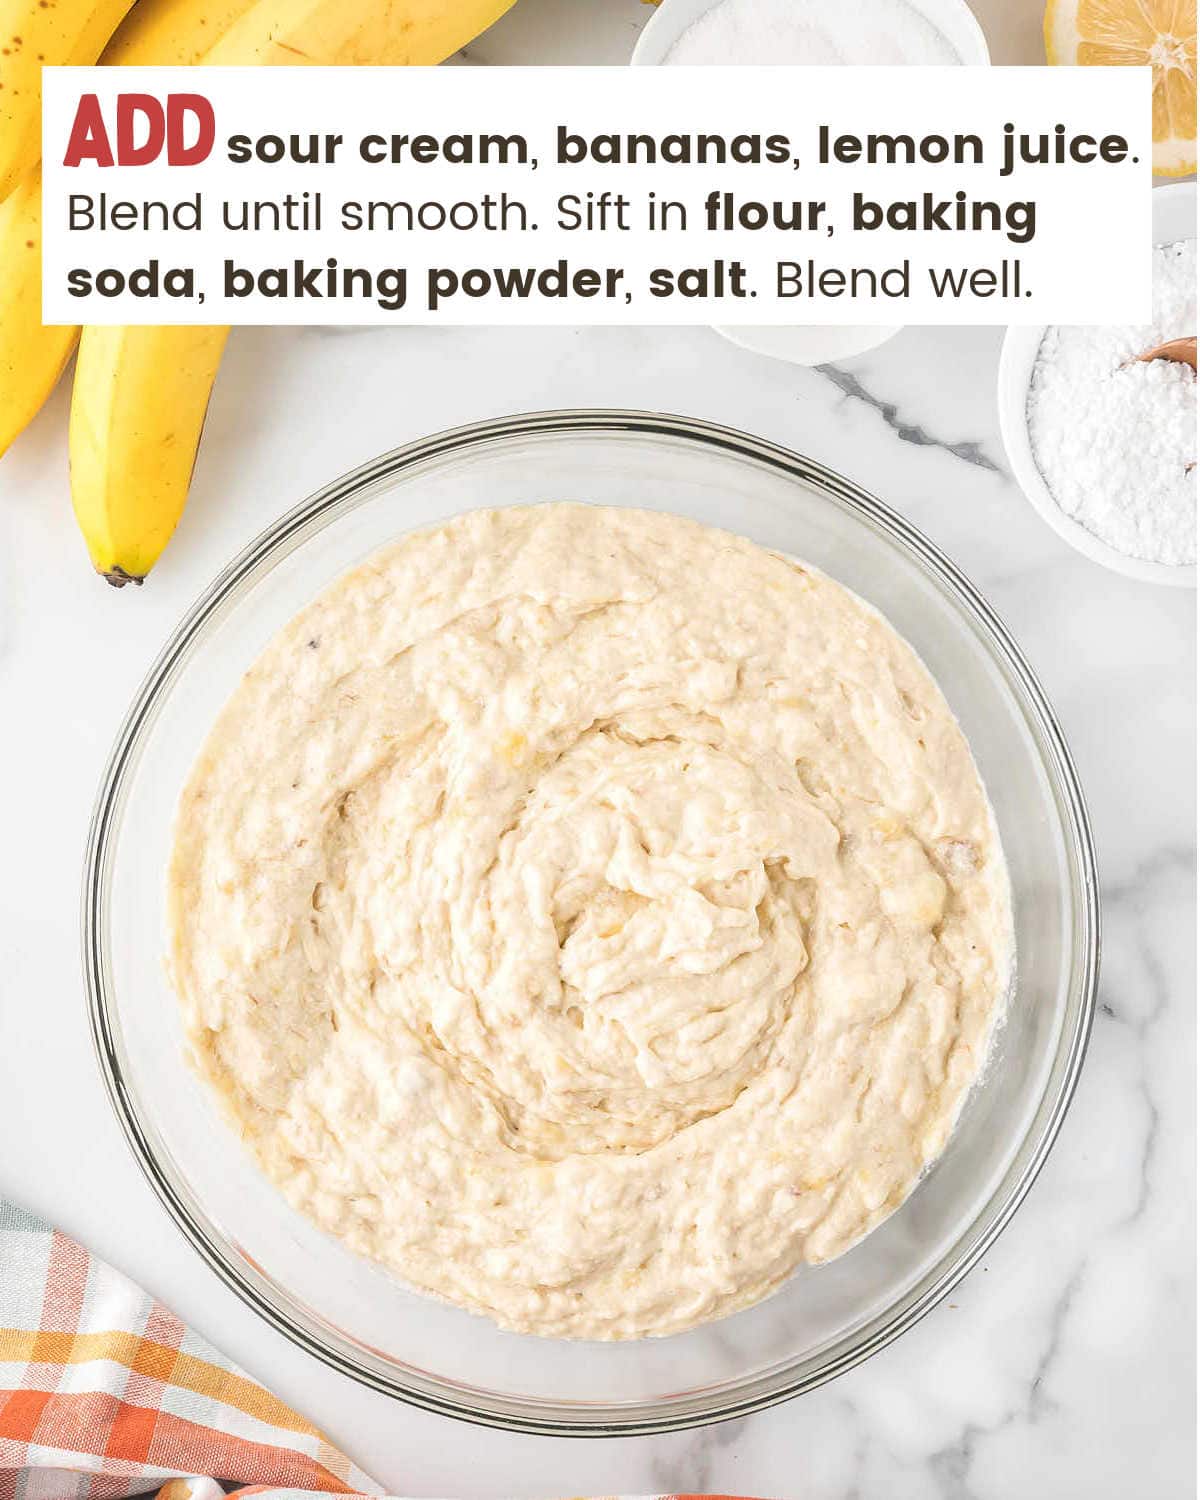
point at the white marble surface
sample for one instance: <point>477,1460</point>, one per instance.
<point>1064,1365</point>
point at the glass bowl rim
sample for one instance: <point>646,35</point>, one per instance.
<point>663,1414</point>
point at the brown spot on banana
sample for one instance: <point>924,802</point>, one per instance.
<point>118,577</point>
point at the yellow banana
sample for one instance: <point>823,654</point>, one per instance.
<point>330,32</point>
<point>172,32</point>
<point>31,356</point>
<point>33,34</point>
<point>136,415</point>
<point>353,33</point>
<point>141,393</point>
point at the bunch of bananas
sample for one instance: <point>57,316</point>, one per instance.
<point>140,394</point>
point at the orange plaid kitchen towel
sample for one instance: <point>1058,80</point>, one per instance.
<point>105,1394</point>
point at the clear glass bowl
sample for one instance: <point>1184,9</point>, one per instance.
<point>826,1319</point>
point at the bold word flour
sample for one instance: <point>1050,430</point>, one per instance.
<point>1115,440</point>
<point>812,32</point>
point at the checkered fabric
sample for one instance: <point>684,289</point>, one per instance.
<point>105,1395</point>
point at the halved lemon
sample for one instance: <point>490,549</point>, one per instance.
<point>1134,33</point>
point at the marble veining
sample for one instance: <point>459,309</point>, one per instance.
<point>853,389</point>
<point>1063,1366</point>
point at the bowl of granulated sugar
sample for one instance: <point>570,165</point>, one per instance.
<point>1104,445</point>
<point>817,33</point>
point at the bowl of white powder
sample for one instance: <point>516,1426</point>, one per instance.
<point>817,33</point>
<point>813,33</point>
<point>1103,445</point>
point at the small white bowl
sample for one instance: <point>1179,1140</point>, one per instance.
<point>809,343</point>
<point>795,344</point>
<point>1174,219</point>
<point>953,18</point>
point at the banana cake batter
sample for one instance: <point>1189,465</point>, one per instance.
<point>590,916</point>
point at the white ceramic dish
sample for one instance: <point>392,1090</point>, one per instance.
<point>953,18</point>
<point>804,346</point>
<point>808,346</point>
<point>1174,219</point>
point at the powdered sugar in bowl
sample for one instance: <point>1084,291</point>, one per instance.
<point>1129,503</point>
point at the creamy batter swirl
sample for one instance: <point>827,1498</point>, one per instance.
<point>589,915</point>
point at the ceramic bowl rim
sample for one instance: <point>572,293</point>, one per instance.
<point>666,25</point>
<point>1017,356</point>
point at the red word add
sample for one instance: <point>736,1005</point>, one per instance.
<point>144,129</point>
